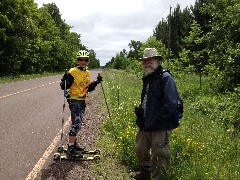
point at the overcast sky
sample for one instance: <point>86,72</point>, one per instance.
<point>108,26</point>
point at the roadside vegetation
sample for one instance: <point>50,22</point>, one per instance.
<point>206,145</point>
<point>35,40</point>
<point>21,77</point>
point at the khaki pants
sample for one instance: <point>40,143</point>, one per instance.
<point>152,149</point>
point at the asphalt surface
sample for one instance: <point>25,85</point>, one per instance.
<point>30,119</point>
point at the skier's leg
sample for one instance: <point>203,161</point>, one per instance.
<point>77,109</point>
<point>71,139</point>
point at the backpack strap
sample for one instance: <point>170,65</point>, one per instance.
<point>160,78</point>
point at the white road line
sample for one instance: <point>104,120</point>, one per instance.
<point>1,97</point>
<point>43,159</point>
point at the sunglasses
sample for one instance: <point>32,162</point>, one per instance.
<point>85,60</point>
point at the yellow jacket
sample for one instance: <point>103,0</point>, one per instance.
<point>79,87</point>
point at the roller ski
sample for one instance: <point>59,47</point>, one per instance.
<point>76,153</point>
<point>80,157</point>
<point>63,149</point>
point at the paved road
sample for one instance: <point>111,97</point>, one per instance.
<point>30,119</point>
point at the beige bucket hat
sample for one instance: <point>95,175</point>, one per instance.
<point>150,53</point>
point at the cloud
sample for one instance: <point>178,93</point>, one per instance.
<point>108,26</point>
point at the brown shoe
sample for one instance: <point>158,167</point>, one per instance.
<point>141,175</point>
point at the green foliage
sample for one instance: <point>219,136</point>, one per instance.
<point>195,43</point>
<point>122,95</point>
<point>179,25</point>
<point>94,62</point>
<point>206,144</point>
<point>130,61</point>
<point>223,41</point>
<point>35,40</point>
<point>208,137</point>
<point>120,61</point>
<point>134,49</point>
<point>223,108</point>
<point>154,43</point>
<point>204,39</point>
<point>135,67</point>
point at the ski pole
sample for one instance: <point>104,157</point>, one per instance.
<point>65,89</point>
<point>65,84</point>
<point>63,110</point>
<point>114,134</point>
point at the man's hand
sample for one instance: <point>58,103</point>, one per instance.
<point>139,111</point>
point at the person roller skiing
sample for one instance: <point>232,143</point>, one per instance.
<point>77,81</point>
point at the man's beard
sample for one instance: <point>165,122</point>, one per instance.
<point>150,68</point>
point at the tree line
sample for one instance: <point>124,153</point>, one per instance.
<point>203,38</point>
<point>36,40</point>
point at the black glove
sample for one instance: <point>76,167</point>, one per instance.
<point>65,77</point>
<point>99,79</point>
<point>139,111</point>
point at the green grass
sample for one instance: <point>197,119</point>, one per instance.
<point>205,146</point>
<point>7,79</point>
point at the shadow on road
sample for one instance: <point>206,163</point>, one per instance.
<point>60,170</point>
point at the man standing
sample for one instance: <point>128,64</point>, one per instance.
<point>159,101</point>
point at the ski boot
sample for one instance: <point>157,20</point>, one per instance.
<point>73,152</point>
<point>77,146</point>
